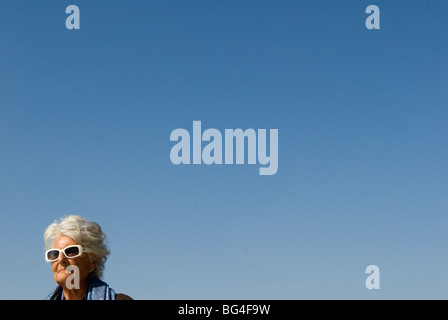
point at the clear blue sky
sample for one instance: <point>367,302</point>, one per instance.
<point>86,116</point>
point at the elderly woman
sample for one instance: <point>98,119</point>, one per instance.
<point>77,251</point>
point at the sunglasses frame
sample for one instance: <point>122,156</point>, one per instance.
<point>80,247</point>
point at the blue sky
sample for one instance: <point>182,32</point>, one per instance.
<point>86,116</point>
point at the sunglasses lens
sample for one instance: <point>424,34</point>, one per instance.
<point>52,255</point>
<point>71,251</point>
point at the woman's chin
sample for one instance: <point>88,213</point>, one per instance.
<point>61,276</point>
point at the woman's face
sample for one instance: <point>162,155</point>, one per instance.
<point>86,262</point>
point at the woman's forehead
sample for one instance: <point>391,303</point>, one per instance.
<point>62,241</point>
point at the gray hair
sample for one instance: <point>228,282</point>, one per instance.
<point>84,232</point>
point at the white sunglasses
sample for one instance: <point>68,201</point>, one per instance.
<point>71,252</point>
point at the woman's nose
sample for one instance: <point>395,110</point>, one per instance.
<point>62,257</point>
